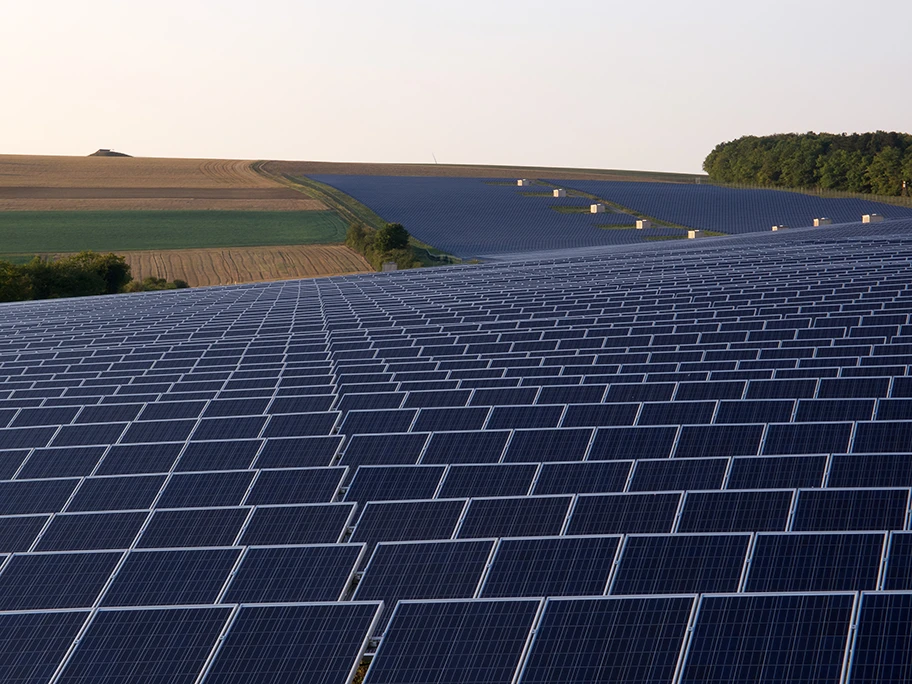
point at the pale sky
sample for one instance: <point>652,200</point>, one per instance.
<point>638,84</point>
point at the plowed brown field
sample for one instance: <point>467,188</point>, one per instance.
<point>244,265</point>
<point>127,172</point>
<point>127,183</point>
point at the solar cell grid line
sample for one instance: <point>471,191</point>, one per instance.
<point>736,511</point>
<point>801,637</point>
<point>850,509</point>
<point>602,639</point>
<point>319,643</point>
<point>123,645</point>
<point>550,566</point>
<point>160,577</point>
<point>411,570</point>
<point>459,641</point>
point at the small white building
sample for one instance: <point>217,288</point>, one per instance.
<point>822,221</point>
<point>596,208</point>
<point>389,266</point>
<point>872,218</point>
<point>560,192</point>
<point>524,182</point>
<point>643,223</point>
<point>780,227</point>
<point>694,234</point>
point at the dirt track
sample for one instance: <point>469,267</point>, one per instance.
<point>244,265</point>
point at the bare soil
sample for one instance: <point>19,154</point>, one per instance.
<point>227,266</point>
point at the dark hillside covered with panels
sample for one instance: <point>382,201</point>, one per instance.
<point>684,462</point>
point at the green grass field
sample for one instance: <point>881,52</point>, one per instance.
<point>31,232</point>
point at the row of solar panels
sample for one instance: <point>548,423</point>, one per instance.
<point>716,638</point>
<point>27,523</point>
<point>390,448</point>
<point>470,568</point>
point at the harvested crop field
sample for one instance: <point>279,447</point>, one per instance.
<point>127,172</point>
<point>136,184</point>
<point>201,267</point>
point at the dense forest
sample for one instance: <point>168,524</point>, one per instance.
<point>875,163</point>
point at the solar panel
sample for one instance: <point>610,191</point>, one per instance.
<point>129,645</point>
<point>314,643</point>
<point>408,520</point>
<point>802,638</point>
<point>171,577</point>
<point>608,639</point>
<point>305,524</point>
<point>514,517</point>
<point>423,570</point>
<point>46,581</point>
<point>191,527</point>
<point>33,644</point>
<point>557,566</point>
<point>815,562</point>
<point>786,472</point>
<point>621,443</point>
<point>590,477</point>
<point>466,447</point>
<point>623,513</point>
<point>91,531</point>
<point>459,641</point>
<point>295,485</point>
<point>851,509</point>
<point>547,445</point>
<point>681,564</point>
<point>294,574</point>
<point>678,475</point>
<point>735,511</point>
<point>389,483</point>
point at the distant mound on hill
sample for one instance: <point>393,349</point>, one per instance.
<point>108,153</point>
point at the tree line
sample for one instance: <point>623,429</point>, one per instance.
<point>389,243</point>
<point>80,275</point>
<point>875,163</point>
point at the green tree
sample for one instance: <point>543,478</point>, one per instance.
<point>391,236</point>
<point>111,268</point>
<point>15,285</point>
<point>885,172</point>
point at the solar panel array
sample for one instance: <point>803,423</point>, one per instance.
<point>471,217</point>
<point>687,463</point>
